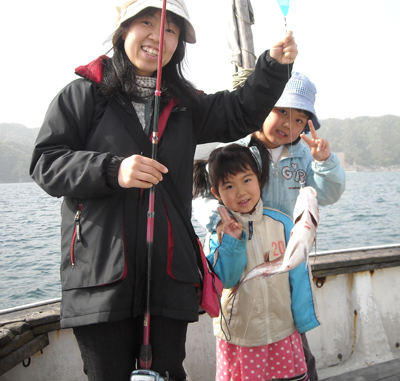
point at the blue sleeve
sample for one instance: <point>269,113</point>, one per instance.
<point>328,178</point>
<point>303,308</point>
<point>228,259</point>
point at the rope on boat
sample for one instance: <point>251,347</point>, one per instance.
<point>239,78</point>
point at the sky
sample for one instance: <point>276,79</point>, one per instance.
<point>348,48</point>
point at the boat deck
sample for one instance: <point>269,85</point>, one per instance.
<point>358,341</point>
<point>46,318</point>
<point>385,371</point>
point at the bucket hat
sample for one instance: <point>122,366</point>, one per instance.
<point>133,7</point>
<point>299,93</point>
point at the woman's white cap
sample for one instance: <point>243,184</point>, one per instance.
<point>133,7</point>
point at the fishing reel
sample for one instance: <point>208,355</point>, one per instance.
<point>146,375</point>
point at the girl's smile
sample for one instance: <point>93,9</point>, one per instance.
<point>142,42</point>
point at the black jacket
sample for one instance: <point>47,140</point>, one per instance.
<point>80,146</point>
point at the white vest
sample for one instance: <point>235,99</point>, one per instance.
<point>261,312</point>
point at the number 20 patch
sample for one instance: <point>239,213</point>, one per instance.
<point>278,248</point>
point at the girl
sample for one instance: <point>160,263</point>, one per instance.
<point>93,149</point>
<point>267,313</point>
<point>292,163</point>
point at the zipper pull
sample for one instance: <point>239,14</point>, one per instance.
<point>275,169</point>
<point>77,220</point>
<point>250,229</point>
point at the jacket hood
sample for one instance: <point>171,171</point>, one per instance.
<point>94,70</point>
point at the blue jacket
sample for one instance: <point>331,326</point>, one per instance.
<point>232,259</point>
<point>297,166</point>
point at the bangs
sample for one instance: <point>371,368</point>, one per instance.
<point>230,160</point>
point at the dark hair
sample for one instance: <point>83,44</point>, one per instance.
<point>265,158</point>
<point>119,76</point>
<point>222,162</point>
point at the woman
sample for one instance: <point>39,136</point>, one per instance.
<point>94,150</point>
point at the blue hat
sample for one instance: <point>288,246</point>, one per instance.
<point>299,93</point>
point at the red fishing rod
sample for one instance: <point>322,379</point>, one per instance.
<point>145,357</point>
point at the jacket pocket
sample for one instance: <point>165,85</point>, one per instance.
<point>92,242</point>
<point>181,256</point>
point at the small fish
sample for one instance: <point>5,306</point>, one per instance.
<point>302,237</point>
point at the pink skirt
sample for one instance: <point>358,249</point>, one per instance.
<point>283,359</point>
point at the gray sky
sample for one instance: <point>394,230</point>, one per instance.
<point>348,48</point>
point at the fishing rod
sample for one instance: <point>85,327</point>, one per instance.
<point>145,357</point>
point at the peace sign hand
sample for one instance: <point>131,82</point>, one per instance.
<point>228,225</point>
<point>319,147</point>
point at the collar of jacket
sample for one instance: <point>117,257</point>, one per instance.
<point>256,216</point>
<point>94,70</point>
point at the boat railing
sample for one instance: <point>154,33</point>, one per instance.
<point>356,294</point>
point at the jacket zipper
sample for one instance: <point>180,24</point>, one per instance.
<point>76,237</point>
<point>250,229</point>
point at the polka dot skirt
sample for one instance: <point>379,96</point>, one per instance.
<point>283,359</point>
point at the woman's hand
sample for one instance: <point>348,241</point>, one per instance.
<point>228,226</point>
<point>284,51</point>
<point>137,171</point>
<point>319,147</point>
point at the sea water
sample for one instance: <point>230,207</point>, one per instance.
<point>366,215</point>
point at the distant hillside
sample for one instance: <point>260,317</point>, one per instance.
<point>363,143</point>
<point>366,142</point>
<point>13,132</point>
<point>16,144</point>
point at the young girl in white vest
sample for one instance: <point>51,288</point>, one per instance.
<point>260,335</point>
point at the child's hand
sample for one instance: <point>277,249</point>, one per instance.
<point>228,225</point>
<point>284,51</point>
<point>319,147</point>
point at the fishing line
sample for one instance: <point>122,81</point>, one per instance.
<point>284,7</point>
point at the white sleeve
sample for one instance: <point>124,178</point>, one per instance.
<point>205,212</point>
